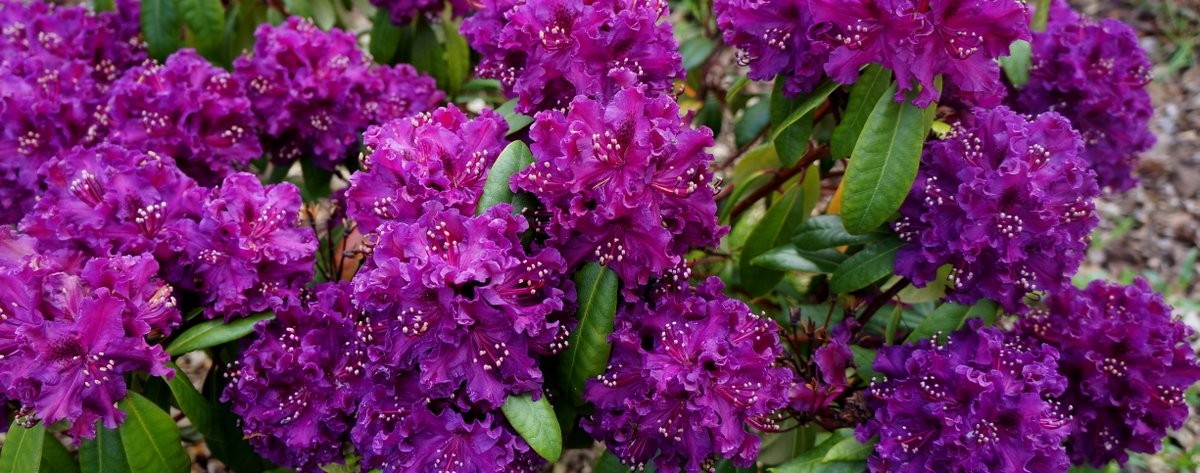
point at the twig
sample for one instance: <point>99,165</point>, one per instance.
<point>878,302</point>
<point>776,182</point>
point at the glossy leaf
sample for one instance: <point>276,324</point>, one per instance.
<point>775,228</point>
<point>206,20</point>
<point>160,27</point>
<point>56,458</point>
<point>696,50</point>
<point>836,454</point>
<point>537,424</point>
<point>826,231</point>
<point>214,332</point>
<point>884,163</point>
<point>871,85</point>
<point>151,438</point>
<point>588,349</point>
<point>457,55</point>
<point>386,37</point>
<point>22,452</point>
<point>427,53</point>
<point>791,141</point>
<point>865,267</point>
<point>246,16</point>
<point>788,258</point>
<point>193,405</point>
<point>104,454</point>
<point>515,157</point>
<point>516,121</point>
<point>802,106</point>
<point>950,316</point>
<point>752,122</point>
<point>864,359</point>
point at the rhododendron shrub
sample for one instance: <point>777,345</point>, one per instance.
<point>563,250</point>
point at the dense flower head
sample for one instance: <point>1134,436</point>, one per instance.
<point>438,156</point>
<point>458,298</point>
<point>772,37</point>
<point>1095,74</point>
<point>1127,361</point>
<point>688,374</point>
<point>188,109</point>
<point>978,403</point>
<point>68,335</point>
<point>546,52</point>
<point>625,183</point>
<point>248,251</point>
<point>298,384</point>
<point>1006,201</point>
<point>403,12</point>
<point>109,199</point>
<point>315,91</point>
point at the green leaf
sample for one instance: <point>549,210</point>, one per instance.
<point>819,459</point>
<point>864,358</point>
<point>775,228</point>
<point>246,16</point>
<point>428,54</point>
<point>753,121</point>
<point>695,51</point>
<point>151,438</point>
<point>386,37</point>
<point>884,163</point>
<point>103,454</point>
<point>587,350</point>
<point>802,106</point>
<point>864,94</point>
<point>206,20</point>
<point>458,57</point>
<point>826,231</point>
<point>160,27</point>
<point>56,458</point>
<point>515,157</point>
<point>848,450</point>
<point>865,267</point>
<point>788,258</point>
<point>22,451</point>
<point>516,121</point>
<point>734,98</point>
<point>791,142</point>
<point>827,260</point>
<point>318,182</point>
<point>193,405</point>
<point>1041,14</point>
<point>214,332</point>
<point>103,5</point>
<point>609,463</point>
<point>889,333</point>
<point>945,319</point>
<point>536,423</point>
<point>1016,64</point>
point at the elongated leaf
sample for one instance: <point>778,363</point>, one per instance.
<point>1016,64</point>
<point>318,182</point>
<point>22,451</point>
<point>950,316</point>
<point>246,15</point>
<point>754,120</point>
<point>803,105</point>
<point>865,267</point>
<point>775,228</point>
<point>428,53</point>
<point>516,120</point>
<point>515,157</point>
<point>864,359</point>
<point>458,58</point>
<point>828,260</point>
<point>826,231</point>
<point>884,163</point>
<point>1041,14</point>
<point>206,20</point>
<point>865,93</point>
<point>193,405</point>
<point>104,454</point>
<point>151,438</point>
<point>587,350</point>
<point>161,27</point>
<point>695,51</point>
<point>56,458</point>
<point>815,461</point>
<point>788,258</point>
<point>536,423</point>
<point>791,141</point>
<point>386,37</point>
<point>214,332</point>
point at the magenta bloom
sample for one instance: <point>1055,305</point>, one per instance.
<point>815,390</point>
<point>187,109</point>
<point>1007,201</point>
<point>441,156</point>
<point>773,37</point>
<point>688,375</point>
<point>1127,362</point>
<point>1095,74</point>
<point>297,386</point>
<point>976,404</point>
<point>458,299</point>
<point>248,251</point>
<point>546,52</point>
<point>625,184</point>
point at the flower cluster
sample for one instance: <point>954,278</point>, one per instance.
<point>978,403</point>
<point>625,182</point>
<point>315,92</point>
<point>811,392</point>
<point>403,12</point>
<point>546,52</point>
<point>439,156</point>
<point>1127,363</point>
<point>70,328</point>
<point>187,109</point>
<point>1004,200</point>
<point>688,372</point>
<point>1095,74</point>
<point>918,41</point>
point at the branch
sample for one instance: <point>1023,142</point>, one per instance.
<point>776,182</point>
<point>878,302</point>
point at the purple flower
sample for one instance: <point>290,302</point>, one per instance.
<point>247,251</point>
<point>441,156</point>
<point>1006,201</point>
<point>404,12</point>
<point>626,184</point>
<point>187,109</point>
<point>298,384</point>
<point>1127,362</point>
<point>977,403</point>
<point>314,91</point>
<point>688,374</point>
<point>772,37</point>
<point>919,41</point>
<point>811,392</point>
<point>546,52</point>
<point>109,199</point>
<point>460,300</point>
<point>1095,74</point>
